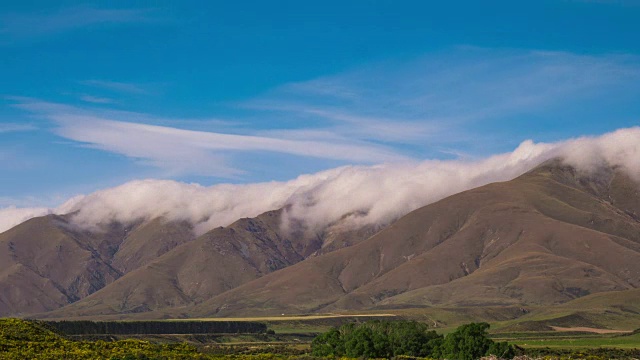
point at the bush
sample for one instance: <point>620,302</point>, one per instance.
<point>502,350</point>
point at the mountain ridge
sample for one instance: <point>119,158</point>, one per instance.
<point>598,221</point>
<point>549,236</point>
<point>225,257</point>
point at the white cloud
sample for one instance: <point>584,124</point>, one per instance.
<point>15,127</point>
<point>434,100</point>
<point>459,101</point>
<point>12,216</point>
<point>365,127</point>
<point>117,86</point>
<point>181,151</point>
<point>378,194</point>
<point>96,99</point>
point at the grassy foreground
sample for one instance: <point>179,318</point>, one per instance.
<point>20,339</point>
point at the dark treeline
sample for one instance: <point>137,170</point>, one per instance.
<point>155,327</point>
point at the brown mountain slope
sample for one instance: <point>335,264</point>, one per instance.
<point>149,240</point>
<point>31,278</point>
<point>217,261</point>
<point>546,237</point>
<point>46,263</point>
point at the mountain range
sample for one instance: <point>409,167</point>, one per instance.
<point>551,237</point>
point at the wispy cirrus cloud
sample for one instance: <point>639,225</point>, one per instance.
<point>458,104</point>
<point>96,99</point>
<point>180,151</point>
<point>118,86</point>
<point>16,127</point>
<point>460,95</point>
<point>25,25</point>
<point>358,126</point>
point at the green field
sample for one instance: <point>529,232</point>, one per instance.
<point>305,325</point>
<point>291,317</point>
<point>575,341</point>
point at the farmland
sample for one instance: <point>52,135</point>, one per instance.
<point>261,338</point>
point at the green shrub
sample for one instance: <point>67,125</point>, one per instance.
<point>384,339</point>
<point>378,339</point>
<point>502,350</point>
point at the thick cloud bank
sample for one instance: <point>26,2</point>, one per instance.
<point>370,194</point>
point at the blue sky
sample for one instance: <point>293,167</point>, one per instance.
<point>97,94</point>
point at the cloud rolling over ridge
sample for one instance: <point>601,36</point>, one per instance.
<point>12,216</point>
<point>376,194</point>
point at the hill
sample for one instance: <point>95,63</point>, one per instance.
<point>219,260</point>
<point>545,238</point>
<point>46,262</point>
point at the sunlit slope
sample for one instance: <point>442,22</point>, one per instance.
<point>547,237</point>
<point>218,261</point>
<point>46,262</point>
<point>618,310</point>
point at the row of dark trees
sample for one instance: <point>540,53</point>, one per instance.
<point>387,339</point>
<point>156,327</point>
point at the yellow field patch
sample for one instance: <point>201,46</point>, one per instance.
<point>287,317</point>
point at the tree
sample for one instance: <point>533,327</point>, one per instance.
<point>359,342</point>
<point>471,341</point>
<point>380,339</point>
<point>328,344</point>
<point>467,342</point>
